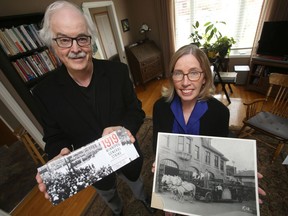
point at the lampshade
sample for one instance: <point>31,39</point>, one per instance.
<point>144,28</point>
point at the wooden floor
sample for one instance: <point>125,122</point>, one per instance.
<point>152,92</point>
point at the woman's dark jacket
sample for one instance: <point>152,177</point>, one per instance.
<point>67,119</point>
<point>215,122</point>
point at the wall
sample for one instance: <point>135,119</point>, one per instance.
<point>137,12</point>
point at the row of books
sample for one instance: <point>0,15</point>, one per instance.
<point>20,39</point>
<point>36,65</point>
<point>261,70</point>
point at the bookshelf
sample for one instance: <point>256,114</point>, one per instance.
<point>261,67</point>
<point>25,60</point>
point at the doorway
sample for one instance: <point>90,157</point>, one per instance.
<point>109,42</point>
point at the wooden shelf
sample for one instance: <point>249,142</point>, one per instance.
<point>30,62</point>
<point>258,78</point>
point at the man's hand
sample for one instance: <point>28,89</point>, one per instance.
<point>41,185</point>
<point>109,130</point>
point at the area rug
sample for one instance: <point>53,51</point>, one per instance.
<point>17,175</point>
<point>275,181</point>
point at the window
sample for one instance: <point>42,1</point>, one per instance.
<point>241,17</point>
<point>216,161</point>
<point>188,144</point>
<point>207,157</point>
<point>184,144</point>
<point>181,143</point>
<point>222,165</point>
<point>197,152</point>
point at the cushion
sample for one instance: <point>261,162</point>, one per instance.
<point>271,123</point>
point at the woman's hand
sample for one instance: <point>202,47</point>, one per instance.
<point>41,185</point>
<point>260,190</point>
<point>153,167</point>
<point>109,130</point>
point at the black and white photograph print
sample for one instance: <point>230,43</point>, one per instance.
<point>202,175</point>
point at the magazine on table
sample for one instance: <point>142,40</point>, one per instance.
<point>69,174</point>
<point>205,175</point>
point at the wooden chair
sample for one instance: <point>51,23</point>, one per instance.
<point>35,151</point>
<point>269,115</point>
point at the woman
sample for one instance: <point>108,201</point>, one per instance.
<point>187,106</point>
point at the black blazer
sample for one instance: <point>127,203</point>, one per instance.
<point>215,122</point>
<point>67,120</point>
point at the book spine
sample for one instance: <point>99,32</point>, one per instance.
<point>34,30</point>
<point>15,40</point>
<point>25,38</point>
<point>27,35</point>
<point>5,45</point>
<point>34,66</point>
<point>21,73</point>
<point>26,69</point>
<point>41,60</point>
<point>10,42</point>
<point>23,70</point>
<point>31,33</point>
<point>47,61</point>
<point>21,38</point>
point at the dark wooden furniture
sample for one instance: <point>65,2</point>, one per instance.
<point>222,76</point>
<point>145,62</point>
<point>272,122</point>
<point>260,69</point>
<point>23,84</point>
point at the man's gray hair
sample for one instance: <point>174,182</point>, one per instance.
<point>46,33</point>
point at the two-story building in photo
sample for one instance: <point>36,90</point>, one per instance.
<point>190,158</point>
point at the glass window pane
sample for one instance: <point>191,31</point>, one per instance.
<point>241,17</point>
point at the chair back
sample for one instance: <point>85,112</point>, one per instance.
<point>280,83</point>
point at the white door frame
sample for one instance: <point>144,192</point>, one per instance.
<point>114,24</point>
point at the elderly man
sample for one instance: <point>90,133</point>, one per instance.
<point>85,99</point>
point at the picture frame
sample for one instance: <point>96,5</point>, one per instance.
<point>125,25</point>
<point>205,175</point>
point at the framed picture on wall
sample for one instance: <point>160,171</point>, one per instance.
<point>125,25</point>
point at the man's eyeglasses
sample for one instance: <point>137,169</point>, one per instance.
<point>67,42</point>
<point>192,75</point>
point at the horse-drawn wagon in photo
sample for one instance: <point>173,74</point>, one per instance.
<point>179,189</point>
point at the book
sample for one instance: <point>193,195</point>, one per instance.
<point>40,63</point>
<point>69,174</point>
<point>205,175</point>
<point>10,42</point>
<point>35,29</point>
<point>27,36</point>
<point>4,44</point>
<point>47,60</point>
<point>22,74</point>
<point>17,43</point>
<point>21,38</point>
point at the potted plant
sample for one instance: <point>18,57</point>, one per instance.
<point>223,45</point>
<point>195,35</point>
<point>212,41</point>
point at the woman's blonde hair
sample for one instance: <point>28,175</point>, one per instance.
<point>207,89</point>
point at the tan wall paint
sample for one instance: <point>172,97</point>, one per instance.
<point>137,12</point>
